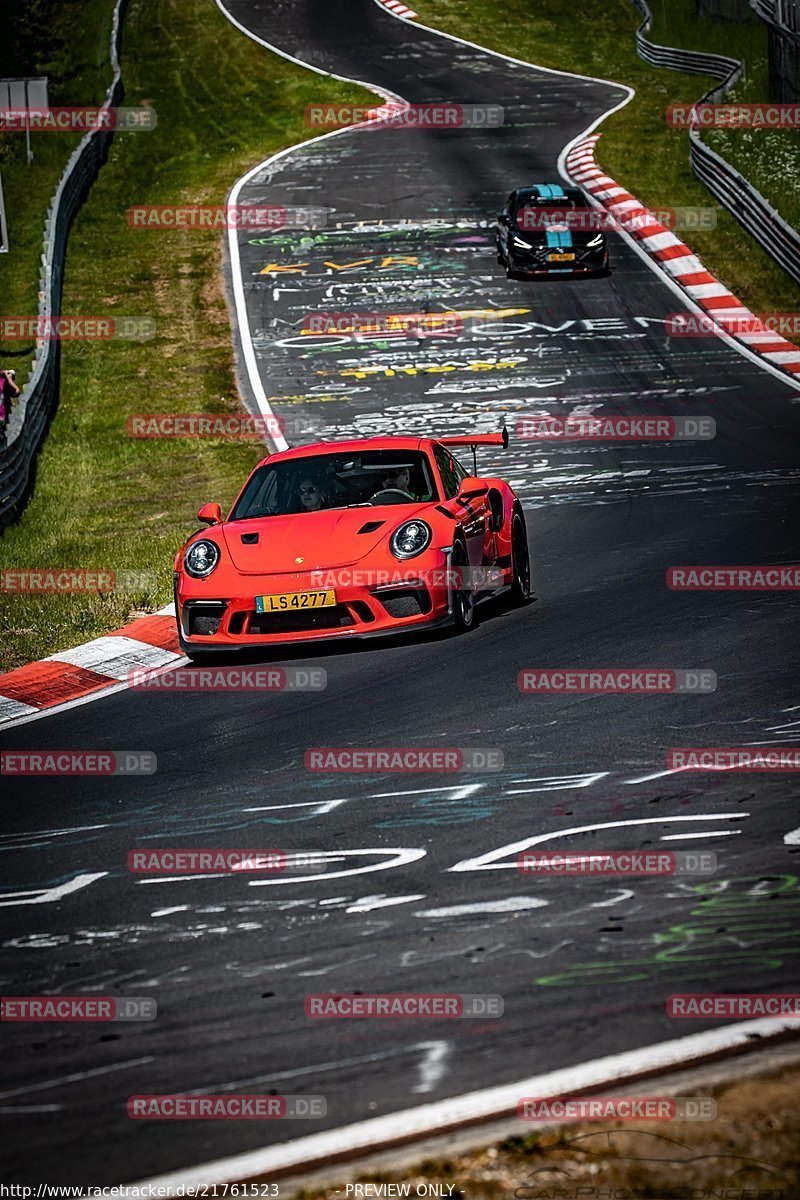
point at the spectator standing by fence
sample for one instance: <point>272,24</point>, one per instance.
<point>8,393</point>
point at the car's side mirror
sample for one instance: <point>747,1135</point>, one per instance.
<point>503,218</point>
<point>210,514</point>
<point>471,487</point>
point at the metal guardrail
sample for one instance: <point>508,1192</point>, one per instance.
<point>32,412</point>
<point>753,212</point>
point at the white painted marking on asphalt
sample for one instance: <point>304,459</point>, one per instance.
<point>556,783</point>
<point>685,837</point>
<point>396,857</point>
<point>461,791</point>
<point>655,775</point>
<point>167,912</point>
<point>77,1077</point>
<point>510,904</point>
<point>432,1067</point>
<point>488,861</point>
<point>322,806</point>
<point>422,1121</point>
<point>48,895</point>
<point>793,838</point>
<point>368,903</point>
<point>624,894</point>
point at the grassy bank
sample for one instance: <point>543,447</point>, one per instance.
<point>103,500</point>
<point>69,43</point>
<point>637,147</point>
<point>750,1151</point>
<point>768,158</point>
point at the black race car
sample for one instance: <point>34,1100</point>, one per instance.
<point>547,229</point>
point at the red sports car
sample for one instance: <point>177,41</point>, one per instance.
<point>351,539</point>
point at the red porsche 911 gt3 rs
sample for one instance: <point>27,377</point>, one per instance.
<point>351,539</point>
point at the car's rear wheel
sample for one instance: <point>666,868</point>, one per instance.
<point>520,563</point>
<point>461,597</point>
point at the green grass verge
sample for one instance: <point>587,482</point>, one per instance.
<point>637,147</point>
<point>68,43</point>
<point>768,158</point>
<point>103,500</point>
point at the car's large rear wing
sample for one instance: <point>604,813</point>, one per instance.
<point>477,439</point>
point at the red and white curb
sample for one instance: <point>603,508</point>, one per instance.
<point>88,671</point>
<point>399,9</point>
<point>678,261</point>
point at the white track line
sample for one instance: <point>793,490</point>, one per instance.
<point>379,1133</point>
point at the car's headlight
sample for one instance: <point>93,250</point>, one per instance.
<point>595,242</point>
<point>518,241</point>
<point>201,558</point>
<point>410,539</point>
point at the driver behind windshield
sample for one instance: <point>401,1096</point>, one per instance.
<point>311,498</point>
<point>398,479</point>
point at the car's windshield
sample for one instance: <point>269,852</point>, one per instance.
<point>537,212</point>
<point>309,484</point>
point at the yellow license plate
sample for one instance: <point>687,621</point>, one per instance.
<point>295,601</point>
<point>561,258</point>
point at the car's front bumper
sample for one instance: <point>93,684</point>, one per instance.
<point>414,596</point>
<point>584,264</point>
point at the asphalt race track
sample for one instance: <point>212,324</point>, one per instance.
<point>584,966</point>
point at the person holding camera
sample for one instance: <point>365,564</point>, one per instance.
<point>8,393</point>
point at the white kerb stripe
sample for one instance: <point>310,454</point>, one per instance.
<point>687,264</point>
<point>115,656</point>
<point>660,241</point>
<point>707,289</point>
<point>783,356</point>
<point>9,709</point>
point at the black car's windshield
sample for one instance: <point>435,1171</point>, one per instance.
<point>533,212</point>
<point>309,484</point>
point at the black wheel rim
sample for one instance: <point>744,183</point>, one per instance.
<point>522,563</point>
<point>461,595</point>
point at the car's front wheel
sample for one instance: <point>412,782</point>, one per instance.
<point>520,562</point>
<point>461,604</point>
